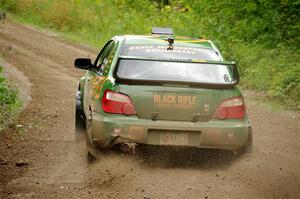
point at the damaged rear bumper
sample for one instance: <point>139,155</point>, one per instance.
<point>109,130</point>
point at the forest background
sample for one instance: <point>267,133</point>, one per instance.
<point>262,36</point>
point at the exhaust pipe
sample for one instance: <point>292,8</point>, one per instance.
<point>124,145</point>
<point>128,147</point>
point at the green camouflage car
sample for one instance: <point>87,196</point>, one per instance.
<point>161,90</point>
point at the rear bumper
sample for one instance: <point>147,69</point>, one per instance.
<point>219,134</point>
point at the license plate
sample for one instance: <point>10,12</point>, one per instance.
<point>173,138</point>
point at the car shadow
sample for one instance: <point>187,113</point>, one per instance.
<point>181,157</point>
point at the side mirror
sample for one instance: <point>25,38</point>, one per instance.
<point>83,63</point>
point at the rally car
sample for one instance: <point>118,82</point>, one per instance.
<point>161,89</point>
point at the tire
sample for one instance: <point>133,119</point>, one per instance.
<point>79,119</point>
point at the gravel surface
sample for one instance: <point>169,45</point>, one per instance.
<point>39,157</point>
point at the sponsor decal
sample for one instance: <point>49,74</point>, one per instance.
<point>206,108</point>
<point>97,83</point>
<point>161,49</point>
<point>174,101</point>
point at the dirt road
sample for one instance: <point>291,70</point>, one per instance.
<point>43,138</point>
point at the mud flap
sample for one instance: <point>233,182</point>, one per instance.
<point>93,153</point>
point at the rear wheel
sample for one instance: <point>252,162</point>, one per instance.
<point>79,119</point>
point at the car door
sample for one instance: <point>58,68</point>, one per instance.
<point>94,77</point>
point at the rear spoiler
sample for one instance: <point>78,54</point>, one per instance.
<point>180,60</point>
<point>232,64</point>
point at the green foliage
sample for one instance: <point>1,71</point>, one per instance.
<point>9,102</point>
<point>261,35</point>
<point>257,21</point>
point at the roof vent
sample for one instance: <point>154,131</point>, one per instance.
<point>162,31</point>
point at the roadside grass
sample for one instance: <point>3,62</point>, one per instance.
<point>68,36</point>
<point>274,72</point>
<point>261,37</point>
<point>9,102</point>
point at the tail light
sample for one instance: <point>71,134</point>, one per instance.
<point>232,108</point>
<point>114,102</point>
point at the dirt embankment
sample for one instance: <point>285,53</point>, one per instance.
<point>56,165</point>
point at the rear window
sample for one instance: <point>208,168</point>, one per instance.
<point>178,52</point>
<point>169,71</point>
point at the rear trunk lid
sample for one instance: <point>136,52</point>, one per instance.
<point>176,102</point>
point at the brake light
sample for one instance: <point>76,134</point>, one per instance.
<point>114,102</point>
<point>232,108</point>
